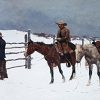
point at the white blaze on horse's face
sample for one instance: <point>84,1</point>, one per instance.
<point>78,52</point>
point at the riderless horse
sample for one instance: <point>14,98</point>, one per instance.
<point>92,56</point>
<point>51,56</point>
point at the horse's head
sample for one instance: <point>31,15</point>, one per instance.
<point>79,53</point>
<point>30,48</point>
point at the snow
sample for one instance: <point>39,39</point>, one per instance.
<point>33,84</point>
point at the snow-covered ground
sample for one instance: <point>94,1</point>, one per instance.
<point>33,84</point>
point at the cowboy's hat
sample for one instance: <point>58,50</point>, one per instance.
<point>61,23</point>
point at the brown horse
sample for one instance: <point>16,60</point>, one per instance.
<point>51,56</point>
<point>97,45</point>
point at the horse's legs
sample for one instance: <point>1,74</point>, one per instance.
<point>52,75</point>
<point>61,72</point>
<point>98,71</point>
<point>90,74</point>
<point>73,72</point>
<point>73,62</point>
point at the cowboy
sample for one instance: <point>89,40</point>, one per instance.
<point>3,71</point>
<point>64,40</point>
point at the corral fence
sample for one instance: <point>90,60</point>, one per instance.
<point>27,60</point>
<point>90,39</point>
<point>27,38</point>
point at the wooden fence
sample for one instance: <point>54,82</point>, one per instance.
<point>26,59</point>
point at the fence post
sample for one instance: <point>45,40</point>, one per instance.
<point>29,33</point>
<point>53,39</point>
<point>82,41</point>
<point>25,49</point>
<point>29,57</point>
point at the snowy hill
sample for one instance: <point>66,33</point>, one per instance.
<point>33,84</point>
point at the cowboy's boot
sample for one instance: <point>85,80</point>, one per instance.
<point>68,57</point>
<point>69,64</point>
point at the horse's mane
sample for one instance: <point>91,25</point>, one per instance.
<point>88,46</point>
<point>92,50</point>
<point>42,43</point>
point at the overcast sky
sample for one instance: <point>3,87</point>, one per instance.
<point>82,16</point>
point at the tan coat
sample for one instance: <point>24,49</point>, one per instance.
<point>64,34</point>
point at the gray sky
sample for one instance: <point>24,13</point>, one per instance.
<point>82,16</point>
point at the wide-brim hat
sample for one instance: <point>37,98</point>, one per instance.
<point>1,34</point>
<point>61,23</point>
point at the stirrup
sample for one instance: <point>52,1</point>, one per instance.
<point>69,64</point>
<point>61,53</point>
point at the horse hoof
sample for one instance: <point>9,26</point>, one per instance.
<point>69,65</point>
<point>88,84</point>
<point>64,80</point>
<point>71,78</point>
<point>51,82</point>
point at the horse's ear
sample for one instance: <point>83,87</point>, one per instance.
<point>30,41</point>
<point>93,43</point>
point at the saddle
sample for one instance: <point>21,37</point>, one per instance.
<point>97,45</point>
<point>65,50</point>
<point>65,47</point>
